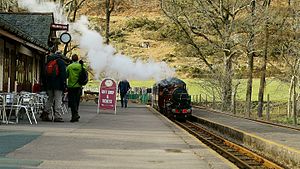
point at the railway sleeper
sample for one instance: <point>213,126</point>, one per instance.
<point>254,164</point>
<point>232,152</point>
<point>210,138</point>
<point>248,159</point>
<point>229,149</point>
<point>237,154</point>
<point>225,147</point>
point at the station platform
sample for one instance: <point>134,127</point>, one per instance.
<point>133,138</point>
<point>282,144</point>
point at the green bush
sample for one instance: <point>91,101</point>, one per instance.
<point>151,36</point>
<point>169,58</point>
<point>143,23</point>
<point>171,33</point>
<point>286,120</point>
<point>167,32</point>
<point>118,35</point>
<point>185,51</point>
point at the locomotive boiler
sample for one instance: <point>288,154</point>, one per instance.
<point>170,97</point>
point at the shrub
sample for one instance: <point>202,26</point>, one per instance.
<point>172,33</point>
<point>151,36</point>
<point>144,23</point>
<point>169,58</point>
<point>118,35</point>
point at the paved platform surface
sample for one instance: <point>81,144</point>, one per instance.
<point>134,138</point>
<point>275,142</point>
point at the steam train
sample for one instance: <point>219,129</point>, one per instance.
<point>171,98</point>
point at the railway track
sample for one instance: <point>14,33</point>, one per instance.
<point>238,155</point>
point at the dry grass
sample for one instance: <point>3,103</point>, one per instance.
<point>132,40</point>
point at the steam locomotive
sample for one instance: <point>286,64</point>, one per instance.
<point>171,98</point>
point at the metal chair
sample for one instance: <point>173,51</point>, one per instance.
<point>2,108</point>
<point>29,103</point>
<point>39,102</point>
<point>18,101</point>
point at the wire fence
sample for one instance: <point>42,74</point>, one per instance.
<point>277,112</point>
<point>137,95</point>
<point>273,111</point>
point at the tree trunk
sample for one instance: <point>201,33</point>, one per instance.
<point>289,111</point>
<point>250,54</point>
<point>233,102</point>
<point>249,85</point>
<point>107,12</point>
<point>263,74</point>
<point>227,88</point>
<point>74,16</point>
<point>294,102</point>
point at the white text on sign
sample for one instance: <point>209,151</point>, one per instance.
<point>106,101</point>
<point>107,92</point>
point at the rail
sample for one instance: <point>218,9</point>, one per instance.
<point>238,155</point>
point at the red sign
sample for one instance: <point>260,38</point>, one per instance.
<point>107,94</point>
<point>59,27</point>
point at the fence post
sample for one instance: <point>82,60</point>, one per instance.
<point>214,100</point>
<point>234,104</point>
<point>200,99</point>
<point>268,107</point>
<point>206,100</point>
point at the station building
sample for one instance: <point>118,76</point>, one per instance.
<point>25,40</point>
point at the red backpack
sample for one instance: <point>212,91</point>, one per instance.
<point>52,68</point>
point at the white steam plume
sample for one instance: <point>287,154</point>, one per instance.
<point>102,57</point>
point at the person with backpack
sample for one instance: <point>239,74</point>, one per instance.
<point>123,88</point>
<point>77,77</point>
<point>55,84</point>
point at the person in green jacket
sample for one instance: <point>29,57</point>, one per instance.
<point>74,89</point>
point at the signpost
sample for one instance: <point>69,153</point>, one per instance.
<point>64,37</point>
<point>107,95</point>
<point>59,27</point>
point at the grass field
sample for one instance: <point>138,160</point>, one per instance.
<point>277,90</point>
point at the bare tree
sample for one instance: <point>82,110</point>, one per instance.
<point>72,7</point>
<point>250,55</point>
<point>266,4</point>
<point>290,54</point>
<point>109,7</point>
<point>8,5</point>
<point>212,29</point>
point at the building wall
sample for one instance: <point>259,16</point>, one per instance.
<point>32,69</point>
<point>25,77</point>
<point>20,66</point>
<point>9,65</point>
<point>1,62</point>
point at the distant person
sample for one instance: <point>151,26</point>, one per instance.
<point>55,84</point>
<point>74,88</point>
<point>123,88</point>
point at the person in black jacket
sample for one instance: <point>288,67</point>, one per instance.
<point>123,88</point>
<point>55,84</point>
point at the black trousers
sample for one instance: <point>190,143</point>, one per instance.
<point>74,100</point>
<point>123,99</point>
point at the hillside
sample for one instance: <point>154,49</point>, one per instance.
<point>137,28</point>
